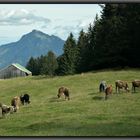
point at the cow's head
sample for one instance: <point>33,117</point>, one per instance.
<point>58,95</point>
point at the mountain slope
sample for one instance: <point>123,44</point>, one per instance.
<point>33,44</point>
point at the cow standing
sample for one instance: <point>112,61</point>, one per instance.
<point>120,85</point>
<point>108,91</point>
<point>135,83</point>
<point>63,91</point>
<point>25,99</point>
<point>102,86</point>
<point>15,102</point>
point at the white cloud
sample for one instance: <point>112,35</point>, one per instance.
<point>65,26</point>
<point>21,17</point>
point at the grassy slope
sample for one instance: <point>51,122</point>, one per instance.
<point>86,114</point>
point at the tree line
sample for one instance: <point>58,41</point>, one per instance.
<point>112,40</point>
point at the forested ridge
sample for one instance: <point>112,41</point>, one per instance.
<point>111,41</point>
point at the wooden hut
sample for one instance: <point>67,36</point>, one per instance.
<point>14,70</point>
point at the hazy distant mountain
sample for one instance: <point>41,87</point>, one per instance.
<point>34,44</point>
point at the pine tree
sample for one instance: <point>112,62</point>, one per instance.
<point>81,52</point>
<point>49,64</point>
<point>67,61</point>
<point>32,66</point>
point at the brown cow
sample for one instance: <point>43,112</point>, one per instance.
<point>120,85</point>
<point>108,91</point>
<point>135,83</point>
<point>15,102</point>
<point>63,91</point>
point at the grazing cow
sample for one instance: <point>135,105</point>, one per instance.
<point>135,83</point>
<point>108,91</point>
<point>15,102</point>
<point>120,85</point>
<point>63,91</point>
<point>102,86</point>
<point>25,99</point>
<point>6,109</point>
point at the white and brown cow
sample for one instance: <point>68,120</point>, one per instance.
<point>6,109</point>
<point>121,85</point>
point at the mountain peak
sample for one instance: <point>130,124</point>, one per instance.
<point>36,34</point>
<point>34,31</point>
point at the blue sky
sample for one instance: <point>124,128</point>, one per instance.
<point>53,19</point>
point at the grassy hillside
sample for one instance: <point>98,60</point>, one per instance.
<point>86,114</point>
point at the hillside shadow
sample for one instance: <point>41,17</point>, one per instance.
<point>55,99</point>
<point>98,98</point>
<point>93,93</point>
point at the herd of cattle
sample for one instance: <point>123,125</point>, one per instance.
<point>63,91</point>
<point>25,99</point>
<point>103,87</point>
<point>15,103</point>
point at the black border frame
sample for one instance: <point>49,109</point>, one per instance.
<point>67,2</point>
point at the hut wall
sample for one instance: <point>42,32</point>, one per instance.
<point>10,72</point>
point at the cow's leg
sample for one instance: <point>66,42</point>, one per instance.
<point>118,89</point>
<point>3,113</point>
<point>102,88</point>
<point>134,89</point>
<point>126,89</point>
<point>68,97</point>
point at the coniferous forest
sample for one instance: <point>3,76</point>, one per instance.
<point>111,41</point>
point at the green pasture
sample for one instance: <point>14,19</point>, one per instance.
<point>86,114</point>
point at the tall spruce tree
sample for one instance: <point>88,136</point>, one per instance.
<point>81,52</point>
<point>91,43</point>
<point>67,61</point>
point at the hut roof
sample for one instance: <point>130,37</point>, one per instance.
<point>21,68</point>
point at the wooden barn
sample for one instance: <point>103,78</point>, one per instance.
<point>14,70</point>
